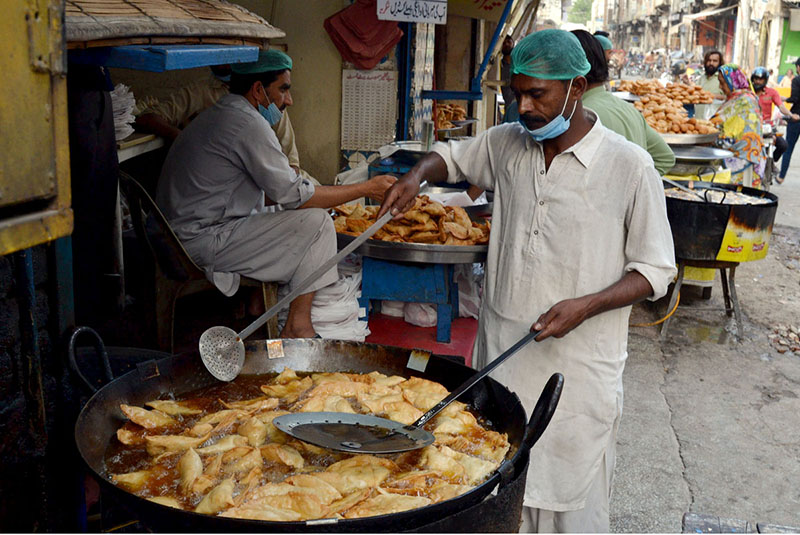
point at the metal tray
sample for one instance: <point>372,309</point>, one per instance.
<point>475,211</point>
<point>464,122</point>
<point>700,154</point>
<point>626,96</point>
<point>688,139</point>
<point>417,252</point>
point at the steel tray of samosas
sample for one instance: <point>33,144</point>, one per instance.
<point>417,252</point>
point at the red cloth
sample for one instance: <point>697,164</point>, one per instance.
<point>359,36</point>
<point>766,99</point>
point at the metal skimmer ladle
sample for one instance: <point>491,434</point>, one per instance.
<point>683,188</point>
<point>222,348</point>
<point>363,433</point>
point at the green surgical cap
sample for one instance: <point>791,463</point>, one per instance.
<point>268,60</point>
<point>549,55</point>
<point>605,41</point>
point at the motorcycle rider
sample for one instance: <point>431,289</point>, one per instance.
<point>768,96</point>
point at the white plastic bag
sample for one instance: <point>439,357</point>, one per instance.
<point>420,314</point>
<point>468,277</point>
<point>335,310</point>
<point>393,308</point>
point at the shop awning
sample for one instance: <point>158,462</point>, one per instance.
<point>708,13</point>
<point>103,23</point>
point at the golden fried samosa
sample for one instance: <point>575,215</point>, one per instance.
<point>220,497</point>
<point>173,408</point>
<point>281,453</point>
<point>190,467</point>
<point>255,430</point>
<point>147,419</point>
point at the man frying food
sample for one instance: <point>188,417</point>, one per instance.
<point>213,185</point>
<point>579,234</point>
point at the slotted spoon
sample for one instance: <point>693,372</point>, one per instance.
<point>364,433</point>
<point>222,348</point>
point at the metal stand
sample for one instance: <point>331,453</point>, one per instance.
<point>412,283</point>
<point>728,290</point>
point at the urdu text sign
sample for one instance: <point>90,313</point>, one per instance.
<point>430,11</point>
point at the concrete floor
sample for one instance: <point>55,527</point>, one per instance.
<point>712,425</point>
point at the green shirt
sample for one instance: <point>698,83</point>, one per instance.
<point>621,117</point>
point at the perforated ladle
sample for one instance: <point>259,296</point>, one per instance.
<point>364,433</point>
<point>222,348</point>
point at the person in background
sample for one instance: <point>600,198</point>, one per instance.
<point>221,171</point>
<point>512,113</point>
<point>606,43</point>
<point>708,80</point>
<point>786,80</point>
<point>792,127</point>
<point>505,73</point>
<point>168,116</point>
<point>559,177</point>
<point>739,120</point>
<point>768,96</point>
<point>616,114</point>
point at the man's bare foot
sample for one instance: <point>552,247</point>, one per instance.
<point>298,333</point>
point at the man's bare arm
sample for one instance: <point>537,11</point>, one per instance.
<point>330,196</point>
<point>401,197</point>
<point>155,124</point>
<point>568,314</point>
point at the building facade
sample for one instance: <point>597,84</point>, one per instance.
<point>747,32</point>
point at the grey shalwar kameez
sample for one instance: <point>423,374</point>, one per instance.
<point>212,190</point>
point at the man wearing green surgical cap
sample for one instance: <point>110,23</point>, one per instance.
<point>222,171</point>
<point>167,116</point>
<point>579,234</point>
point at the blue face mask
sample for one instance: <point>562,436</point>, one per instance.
<point>226,78</point>
<point>554,128</point>
<point>272,113</point>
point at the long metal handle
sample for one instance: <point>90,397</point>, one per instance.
<point>683,188</point>
<point>300,288</point>
<point>349,248</point>
<point>475,378</point>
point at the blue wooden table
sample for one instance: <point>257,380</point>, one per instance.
<point>412,283</point>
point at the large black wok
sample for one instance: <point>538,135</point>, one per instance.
<point>699,228</point>
<point>473,511</point>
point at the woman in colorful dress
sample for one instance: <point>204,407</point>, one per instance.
<point>739,122</point>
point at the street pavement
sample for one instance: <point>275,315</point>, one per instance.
<point>711,425</point>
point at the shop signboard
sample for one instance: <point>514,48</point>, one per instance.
<point>478,9</point>
<point>429,11</point>
<point>791,48</point>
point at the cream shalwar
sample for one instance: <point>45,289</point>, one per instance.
<point>566,232</point>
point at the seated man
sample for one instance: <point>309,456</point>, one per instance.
<point>167,117</point>
<point>214,181</point>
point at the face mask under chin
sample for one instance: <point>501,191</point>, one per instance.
<point>272,114</point>
<point>557,126</point>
